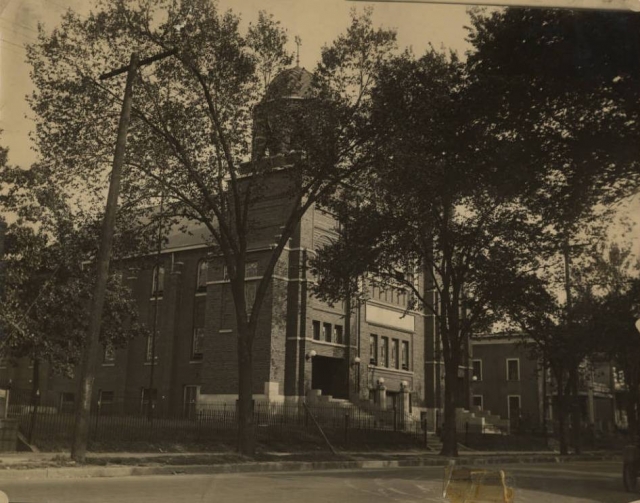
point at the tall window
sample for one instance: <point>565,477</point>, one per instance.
<point>316,330</point>
<point>337,334</point>
<point>477,370</point>
<point>250,288</point>
<point>201,281</point>
<point>146,396</point>
<point>150,349</point>
<point>109,353</point>
<point>197,341</point>
<point>514,406</point>
<point>373,349</point>
<point>105,400</point>
<point>384,351</point>
<point>190,401</point>
<point>251,269</point>
<point>405,355</point>
<point>476,401</point>
<point>513,369</point>
<point>326,329</point>
<point>394,353</point>
<point>67,402</point>
<point>157,283</point>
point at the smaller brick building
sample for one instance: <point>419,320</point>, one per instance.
<point>511,383</point>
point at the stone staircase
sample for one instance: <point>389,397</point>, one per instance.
<point>480,421</point>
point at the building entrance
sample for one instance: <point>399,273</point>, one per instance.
<point>330,376</point>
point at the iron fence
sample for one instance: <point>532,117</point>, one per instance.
<point>121,424</point>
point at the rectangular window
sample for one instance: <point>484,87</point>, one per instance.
<point>514,406</point>
<point>477,370</point>
<point>157,283</point>
<point>513,369</point>
<point>250,295</point>
<point>405,355</point>
<point>197,345</point>
<point>109,355</point>
<point>190,401</point>
<point>250,269</point>
<point>395,344</point>
<point>476,401</point>
<point>67,402</point>
<point>326,329</point>
<point>3,361</point>
<point>105,397</point>
<point>337,334</point>
<point>147,397</point>
<point>373,349</point>
<point>384,351</point>
<point>150,350</point>
<point>197,340</point>
<point>201,281</point>
<point>316,330</point>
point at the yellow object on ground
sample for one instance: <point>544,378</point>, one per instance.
<point>469,485</point>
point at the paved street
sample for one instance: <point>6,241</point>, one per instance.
<point>557,483</point>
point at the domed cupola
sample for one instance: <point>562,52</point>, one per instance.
<point>280,119</point>
<point>293,83</point>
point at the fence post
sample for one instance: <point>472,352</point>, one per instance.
<point>466,433</point>
<point>346,429</point>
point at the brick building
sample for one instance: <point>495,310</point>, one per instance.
<point>300,349</point>
<point>510,383</point>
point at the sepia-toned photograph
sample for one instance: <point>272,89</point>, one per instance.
<point>320,250</point>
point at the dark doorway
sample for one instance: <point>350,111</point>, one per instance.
<point>330,376</point>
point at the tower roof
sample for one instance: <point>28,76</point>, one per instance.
<point>291,83</point>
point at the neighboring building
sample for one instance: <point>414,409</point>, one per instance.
<point>300,349</point>
<point>510,383</point>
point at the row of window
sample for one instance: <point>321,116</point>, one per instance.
<point>381,354</point>
<point>327,332</point>
<point>512,374</point>
<point>158,274</point>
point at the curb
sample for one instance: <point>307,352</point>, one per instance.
<point>280,466</point>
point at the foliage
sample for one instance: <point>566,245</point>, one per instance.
<point>190,141</point>
<point>564,86</point>
<point>48,278</point>
<point>439,202</point>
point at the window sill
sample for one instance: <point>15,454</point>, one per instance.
<point>389,369</point>
<point>151,363</point>
<point>108,364</point>
<point>196,361</point>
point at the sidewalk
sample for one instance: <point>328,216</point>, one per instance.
<point>59,465</point>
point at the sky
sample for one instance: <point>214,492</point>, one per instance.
<point>316,22</point>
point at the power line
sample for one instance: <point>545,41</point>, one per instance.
<point>11,43</point>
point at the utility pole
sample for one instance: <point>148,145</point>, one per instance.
<point>90,352</point>
<point>574,371</point>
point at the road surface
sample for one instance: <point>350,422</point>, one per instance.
<point>554,483</point>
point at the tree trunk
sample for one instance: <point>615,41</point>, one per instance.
<point>246,430</point>
<point>35,397</point>
<point>449,433</point>
<point>576,419</point>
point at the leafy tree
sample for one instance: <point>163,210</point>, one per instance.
<point>439,202</point>
<point>563,85</point>
<point>191,134</point>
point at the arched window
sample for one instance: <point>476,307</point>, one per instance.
<point>157,284</point>
<point>201,282</point>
